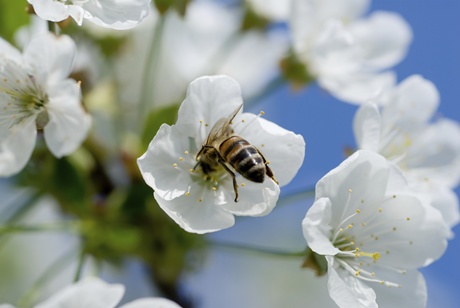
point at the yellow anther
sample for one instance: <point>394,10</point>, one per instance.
<point>191,169</point>
<point>394,228</point>
<point>380,210</point>
<point>352,243</point>
<point>357,248</point>
<point>358,211</point>
<point>181,159</point>
<point>262,145</point>
<point>349,226</point>
<point>358,272</point>
<point>373,274</point>
<point>363,224</point>
<point>201,121</point>
<point>382,282</point>
<point>214,188</point>
<point>350,191</point>
<point>376,256</point>
<point>243,184</point>
<point>340,230</point>
<point>242,120</point>
<point>206,125</point>
<point>408,218</point>
<point>262,112</point>
<point>174,165</point>
<point>200,200</point>
<point>185,152</point>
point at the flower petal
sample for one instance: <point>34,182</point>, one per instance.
<point>151,303</point>
<point>50,56</point>
<point>50,10</point>
<point>316,227</point>
<point>209,99</point>
<point>282,148</point>
<point>68,122</point>
<point>413,93</point>
<point>254,199</point>
<point>157,163</point>
<point>117,14</point>
<point>384,38</point>
<point>366,127</point>
<point>446,201</point>
<point>16,149</point>
<point>348,291</point>
<point>412,292</point>
<point>194,216</point>
<point>88,293</point>
<point>9,51</point>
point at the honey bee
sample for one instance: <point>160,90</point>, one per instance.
<point>223,147</point>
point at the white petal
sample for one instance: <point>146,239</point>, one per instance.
<point>413,93</point>
<point>317,229</point>
<point>446,201</point>
<point>348,291</point>
<point>9,51</point>
<point>434,154</point>
<point>50,10</point>
<point>51,56</point>
<point>6,306</point>
<point>366,127</point>
<point>151,303</point>
<point>359,87</point>
<point>209,99</point>
<point>157,163</point>
<point>253,60</point>
<point>25,34</point>
<point>87,293</point>
<point>282,148</point>
<point>272,9</point>
<point>361,179</point>
<point>117,14</point>
<point>411,294</point>
<point>194,216</point>
<point>68,122</point>
<point>413,233</point>
<point>384,38</point>
<point>254,199</point>
<point>16,149</point>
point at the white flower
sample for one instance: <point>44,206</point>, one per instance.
<point>199,203</point>
<point>115,14</point>
<point>374,232</point>
<point>347,54</point>
<point>95,293</point>
<point>427,152</point>
<point>35,93</point>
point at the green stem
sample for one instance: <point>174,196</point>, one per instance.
<point>275,84</point>
<point>81,262</point>
<point>48,274</point>
<point>257,250</point>
<point>8,229</point>
<point>153,56</point>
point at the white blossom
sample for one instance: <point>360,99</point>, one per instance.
<point>115,14</point>
<point>35,93</point>
<point>346,53</point>
<point>272,9</point>
<point>374,232</point>
<point>200,203</point>
<point>428,152</point>
<point>95,293</point>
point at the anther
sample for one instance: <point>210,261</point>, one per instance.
<point>181,159</point>
<point>174,165</point>
<point>186,152</point>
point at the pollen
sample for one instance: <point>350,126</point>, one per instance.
<point>243,184</point>
<point>349,226</point>
<point>214,188</point>
<point>358,211</point>
<point>376,256</point>
<point>181,159</point>
<point>186,152</point>
<point>262,112</point>
<point>358,272</point>
<point>187,193</point>
<point>191,170</point>
<point>174,165</point>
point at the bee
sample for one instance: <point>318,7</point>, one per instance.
<point>223,147</point>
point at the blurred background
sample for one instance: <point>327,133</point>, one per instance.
<point>219,275</point>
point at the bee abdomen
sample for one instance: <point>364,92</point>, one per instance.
<point>244,158</point>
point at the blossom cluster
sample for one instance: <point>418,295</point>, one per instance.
<point>116,133</point>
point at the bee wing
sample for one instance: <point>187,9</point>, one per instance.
<point>221,128</point>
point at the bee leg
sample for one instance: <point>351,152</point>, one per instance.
<point>268,171</point>
<point>235,186</point>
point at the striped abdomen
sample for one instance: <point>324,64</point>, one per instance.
<point>244,158</point>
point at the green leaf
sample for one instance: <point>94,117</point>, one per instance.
<point>155,119</point>
<point>13,15</point>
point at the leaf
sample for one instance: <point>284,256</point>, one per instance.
<point>13,15</point>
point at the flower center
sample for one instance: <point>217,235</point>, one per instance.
<point>355,236</point>
<point>24,97</point>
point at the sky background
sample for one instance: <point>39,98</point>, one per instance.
<point>326,125</point>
